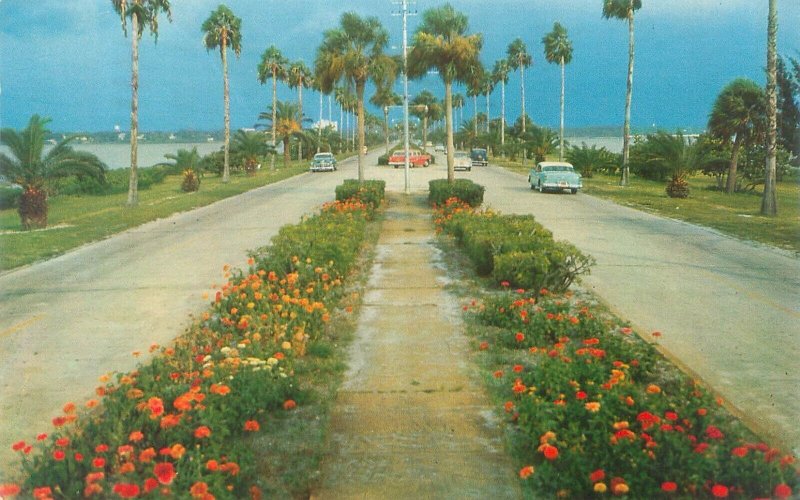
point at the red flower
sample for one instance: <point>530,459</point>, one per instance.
<point>252,426</point>
<point>9,490</point>
<point>101,448</point>
<point>517,368</point>
<point>212,465</point>
<point>714,433</point>
<point>18,445</point>
<point>597,475</point>
<point>526,472</point>
<point>165,472</point>
<point>484,345</point>
<point>671,415</point>
<point>669,486</point>
<point>719,491</point>
<point>202,432</point>
<point>126,490</point>
<point>62,442</point>
<point>59,455</point>
<point>580,395</point>
<point>740,451</point>
<point>42,492</point>
<point>550,452</point>
<point>99,462</point>
<point>150,484</point>
<point>519,336</point>
<point>156,406</point>
<point>783,491</point>
<point>79,457</point>
<point>41,437</point>
<point>199,490</point>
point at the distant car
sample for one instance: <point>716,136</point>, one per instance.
<point>440,148</point>
<point>323,162</point>
<point>554,176</point>
<point>415,159</point>
<point>462,161</point>
<point>479,156</point>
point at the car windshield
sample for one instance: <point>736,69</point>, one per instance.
<point>323,156</point>
<point>461,154</point>
<point>557,168</point>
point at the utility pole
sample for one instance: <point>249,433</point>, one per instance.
<point>405,13</point>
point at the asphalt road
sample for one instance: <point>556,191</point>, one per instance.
<point>67,321</point>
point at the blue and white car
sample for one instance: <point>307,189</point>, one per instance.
<point>554,176</point>
<point>323,162</point>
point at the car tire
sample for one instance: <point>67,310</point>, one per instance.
<point>426,164</point>
<point>539,187</point>
<point>574,191</point>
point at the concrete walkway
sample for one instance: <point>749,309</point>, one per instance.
<point>410,421</point>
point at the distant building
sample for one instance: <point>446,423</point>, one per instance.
<point>326,123</point>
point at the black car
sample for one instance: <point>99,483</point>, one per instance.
<point>479,157</point>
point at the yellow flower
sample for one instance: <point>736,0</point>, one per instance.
<point>593,407</point>
<point>600,487</point>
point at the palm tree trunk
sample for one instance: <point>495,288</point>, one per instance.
<point>425,131</point>
<point>730,187</point>
<point>226,171</point>
<point>448,121</point>
<point>133,183</point>
<point>319,125</point>
<point>274,115</point>
<point>475,117</point>
<point>487,112</point>
<point>502,114</point>
<point>386,126</point>
<point>561,136</point>
<point>626,129</point>
<point>522,91</point>
<point>360,124</point>
<point>769,203</point>
<point>300,119</point>
<point>286,150</point>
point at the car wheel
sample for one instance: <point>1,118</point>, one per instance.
<point>425,164</point>
<point>539,187</point>
<point>469,169</point>
<point>574,191</point>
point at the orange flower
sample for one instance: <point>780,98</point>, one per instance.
<point>550,452</point>
<point>146,456</point>
<point>164,472</point>
<point>783,490</point>
<point>91,403</point>
<point>199,490</point>
<point>135,436</point>
<point>125,490</point>
<point>220,389</point>
<point>212,465</point>
<point>231,468</point>
<point>69,408</point>
<point>9,490</point>
<point>593,406</point>
<point>150,484</point>
<point>653,389</point>
<point>126,468</point>
<point>169,420</point>
<point>526,472</point>
<point>289,404</point>
<point>251,426</point>
<point>202,432</point>
<point>177,451</point>
<point>43,492</point>
<point>156,406</point>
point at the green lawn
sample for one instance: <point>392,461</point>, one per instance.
<point>736,215</point>
<point>76,220</point>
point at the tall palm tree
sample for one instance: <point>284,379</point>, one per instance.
<point>223,30</point>
<point>519,59</point>
<point>384,97</point>
<point>285,124</point>
<point>141,13</point>
<point>624,9</point>
<point>738,113</point>
<point>353,53</point>
<point>423,107</point>
<point>769,203</point>
<point>458,103</point>
<point>273,65</point>
<point>500,74</point>
<point>299,76</point>
<point>558,49</point>
<point>441,42</point>
<point>32,168</point>
<point>487,87</point>
<point>474,90</point>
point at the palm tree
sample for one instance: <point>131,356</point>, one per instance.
<point>588,160</point>
<point>474,90</point>
<point>624,9</point>
<point>273,65</point>
<point>558,49</point>
<point>353,53</point>
<point>224,30</point>
<point>442,42</point>
<point>299,76</point>
<point>184,159</point>
<point>141,13</point>
<point>422,106</point>
<point>500,74</point>
<point>248,147</point>
<point>384,97</point>
<point>487,87</point>
<point>32,168</point>
<point>769,203</point>
<point>738,113</point>
<point>458,103</point>
<point>519,59</point>
<point>285,124</point>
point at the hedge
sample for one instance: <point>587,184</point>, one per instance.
<point>370,192</point>
<point>440,190</point>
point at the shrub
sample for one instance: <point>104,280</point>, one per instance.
<point>9,197</point>
<point>554,266</point>
<point>191,182</point>
<point>370,192</point>
<point>440,190</point>
<point>677,187</point>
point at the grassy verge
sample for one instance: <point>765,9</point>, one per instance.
<point>736,215</point>
<point>76,220</point>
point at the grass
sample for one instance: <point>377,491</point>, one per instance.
<point>77,220</point>
<point>736,215</point>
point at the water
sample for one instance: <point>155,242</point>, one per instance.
<point>613,144</point>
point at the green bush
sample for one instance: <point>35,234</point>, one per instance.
<point>9,197</point>
<point>440,190</point>
<point>369,192</point>
<point>553,266</point>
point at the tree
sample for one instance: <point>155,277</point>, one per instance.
<point>769,203</point>
<point>248,147</point>
<point>285,125</point>
<point>384,97</point>
<point>788,105</point>
<point>558,49</point>
<point>441,42</point>
<point>624,9</point>
<point>32,168</point>
<point>426,107</point>
<point>299,76</point>
<point>519,59</point>
<point>738,114</point>
<point>141,13</point>
<point>487,87</point>
<point>474,90</point>
<point>223,30</point>
<point>273,65</point>
<point>184,159</point>
<point>353,53</point>
<point>458,103</point>
<point>588,160</point>
<point>500,74</point>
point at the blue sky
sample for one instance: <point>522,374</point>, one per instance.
<point>69,59</point>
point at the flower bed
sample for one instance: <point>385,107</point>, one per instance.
<point>176,426</point>
<point>593,410</point>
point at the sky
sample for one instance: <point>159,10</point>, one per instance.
<point>70,61</point>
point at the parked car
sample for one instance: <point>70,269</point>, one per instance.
<point>479,157</point>
<point>323,162</point>
<point>462,161</point>
<point>440,148</point>
<point>554,176</point>
<point>415,159</point>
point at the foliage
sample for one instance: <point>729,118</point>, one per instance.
<point>678,187</point>
<point>661,156</point>
<point>369,192</point>
<point>248,149</point>
<point>440,190</point>
<point>191,181</point>
<point>588,160</point>
<point>9,197</point>
<point>594,410</point>
<point>178,424</point>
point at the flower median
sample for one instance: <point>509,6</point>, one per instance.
<point>177,425</point>
<point>594,410</point>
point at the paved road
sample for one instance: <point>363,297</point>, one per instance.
<point>728,310</point>
<point>65,322</point>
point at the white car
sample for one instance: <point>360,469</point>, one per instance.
<point>462,161</point>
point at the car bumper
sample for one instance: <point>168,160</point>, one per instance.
<point>323,168</point>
